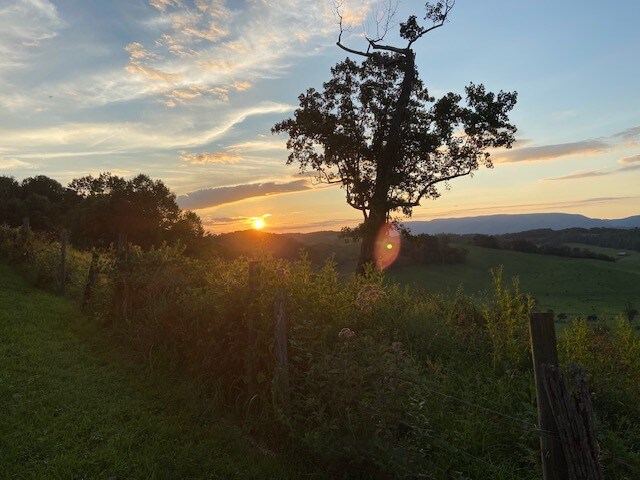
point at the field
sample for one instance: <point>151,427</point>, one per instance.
<point>565,285</point>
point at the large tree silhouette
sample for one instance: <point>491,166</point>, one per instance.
<point>375,129</point>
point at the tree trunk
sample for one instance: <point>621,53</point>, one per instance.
<point>373,224</point>
<point>385,168</point>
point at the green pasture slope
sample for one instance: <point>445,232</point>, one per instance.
<point>72,406</point>
<point>569,285</point>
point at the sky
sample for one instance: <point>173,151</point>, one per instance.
<point>187,91</point>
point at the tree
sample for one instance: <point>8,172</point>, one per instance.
<point>143,208</point>
<point>377,131</point>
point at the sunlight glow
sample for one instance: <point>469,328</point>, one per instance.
<point>257,223</point>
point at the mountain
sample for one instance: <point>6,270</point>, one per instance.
<point>500,224</point>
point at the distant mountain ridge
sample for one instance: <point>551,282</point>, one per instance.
<point>513,223</point>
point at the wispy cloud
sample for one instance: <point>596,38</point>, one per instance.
<point>24,25</point>
<point>225,221</point>
<point>123,137</point>
<point>631,159</point>
<point>629,133</point>
<point>553,152</point>
<point>208,157</point>
<point>212,197</point>
<point>14,164</point>
<point>594,173</point>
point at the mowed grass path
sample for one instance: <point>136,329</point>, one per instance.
<point>73,408</point>
<point>571,285</point>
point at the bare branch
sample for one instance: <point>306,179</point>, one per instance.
<point>448,5</point>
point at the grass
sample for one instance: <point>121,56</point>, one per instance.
<point>569,285</point>
<point>72,407</point>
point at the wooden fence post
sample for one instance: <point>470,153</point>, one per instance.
<point>92,278</point>
<point>63,259</point>
<point>252,338</point>
<point>25,225</point>
<point>544,352</point>
<point>123,246</point>
<point>281,380</point>
<point>573,413</point>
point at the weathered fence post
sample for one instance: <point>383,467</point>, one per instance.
<point>544,352</point>
<point>25,225</point>
<point>92,278</point>
<point>122,295</point>
<point>573,413</point>
<point>281,380</point>
<point>252,338</point>
<point>123,246</point>
<point>63,259</point>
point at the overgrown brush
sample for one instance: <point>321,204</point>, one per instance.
<point>384,381</point>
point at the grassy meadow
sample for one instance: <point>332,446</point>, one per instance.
<point>574,286</point>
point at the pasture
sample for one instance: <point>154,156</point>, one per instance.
<point>574,286</point>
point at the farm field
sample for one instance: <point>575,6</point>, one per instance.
<point>75,407</point>
<point>566,285</point>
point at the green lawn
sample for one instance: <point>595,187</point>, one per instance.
<point>74,407</point>
<point>573,286</point>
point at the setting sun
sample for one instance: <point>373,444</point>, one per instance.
<point>257,223</point>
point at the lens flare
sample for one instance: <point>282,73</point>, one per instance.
<point>387,246</point>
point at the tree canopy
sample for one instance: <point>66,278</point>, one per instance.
<point>97,209</point>
<point>375,129</point>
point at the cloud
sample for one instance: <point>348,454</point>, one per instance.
<point>24,25</point>
<point>578,175</point>
<point>552,152</point>
<point>628,134</point>
<point>79,139</point>
<point>631,159</point>
<point>220,221</point>
<point>212,197</point>
<point>595,173</point>
<point>14,163</point>
<point>208,157</point>
<point>629,168</point>
<point>259,146</point>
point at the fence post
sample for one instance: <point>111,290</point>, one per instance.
<point>25,225</point>
<point>544,352</point>
<point>63,259</point>
<point>281,379</point>
<point>92,277</point>
<point>123,246</point>
<point>250,356</point>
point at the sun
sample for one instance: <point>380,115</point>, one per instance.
<point>257,223</point>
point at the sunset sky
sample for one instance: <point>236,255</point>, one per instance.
<point>188,90</point>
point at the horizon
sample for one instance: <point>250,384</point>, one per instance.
<point>138,92</point>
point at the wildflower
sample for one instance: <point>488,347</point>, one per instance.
<point>368,295</point>
<point>346,333</point>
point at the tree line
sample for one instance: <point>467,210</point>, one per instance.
<point>96,210</point>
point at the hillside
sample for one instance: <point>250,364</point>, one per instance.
<point>566,285</point>
<point>499,224</point>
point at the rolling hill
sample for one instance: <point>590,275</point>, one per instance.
<point>500,224</point>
